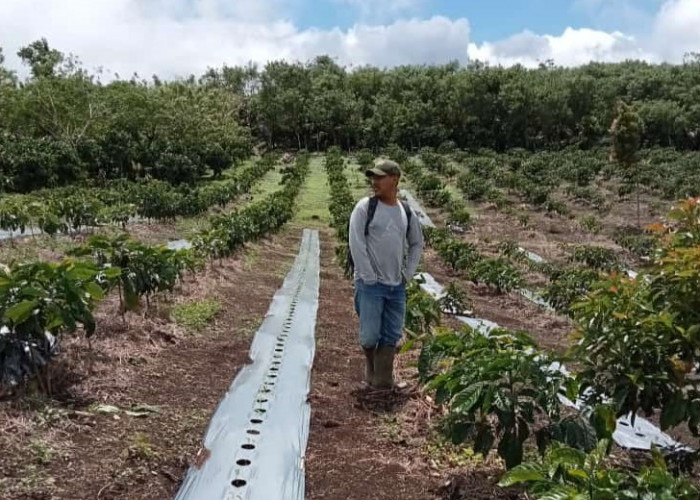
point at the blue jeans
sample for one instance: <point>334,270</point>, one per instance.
<point>382,311</point>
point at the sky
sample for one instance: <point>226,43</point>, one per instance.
<point>176,38</point>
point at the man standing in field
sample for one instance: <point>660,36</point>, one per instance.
<point>385,246</point>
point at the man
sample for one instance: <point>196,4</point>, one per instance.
<point>386,253</point>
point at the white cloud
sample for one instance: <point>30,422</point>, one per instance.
<point>187,36</point>
<point>572,48</point>
<point>437,40</point>
<point>677,29</point>
<point>673,31</point>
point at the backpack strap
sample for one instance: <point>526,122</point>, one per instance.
<point>371,210</point>
<point>409,215</point>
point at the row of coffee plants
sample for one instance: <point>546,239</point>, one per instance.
<point>497,273</point>
<point>41,302</point>
<point>499,391</point>
<point>73,208</point>
<point>637,352</point>
<point>435,194</point>
<point>228,232</point>
<point>340,206</point>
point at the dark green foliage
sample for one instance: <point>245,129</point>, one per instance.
<point>568,473</point>
<point>474,187</point>
<point>495,388</point>
<point>567,286</point>
<point>38,303</point>
<point>599,258</point>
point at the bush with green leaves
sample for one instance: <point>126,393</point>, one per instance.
<point>591,223</point>
<point>475,188</point>
<point>498,273</point>
<point>432,190</point>
<point>510,249</point>
<point>39,303</point>
<point>75,208</point>
<point>568,473</point>
<point>422,311</point>
<point>556,207</point>
<point>567,286</point>
<point>637,241</point>
<point>535,193</point>
<point>341,204</point>
<point>496,388</point>
<point>447,147</point>
<point>459,215</point>
<point>397,154</point>
<point>594,257</point>
<point>436,162</point>
<point>588,194</point>
<point>639,339</point>
<point>364,158</point>
<point>455,300</point>
<point>460,255</point>
<point>144,270</point>
<point>230,231</point>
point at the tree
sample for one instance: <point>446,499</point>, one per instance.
<point>7,77</point>
<point>42,59</point>
<point>626,132</point>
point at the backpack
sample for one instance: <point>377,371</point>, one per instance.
<point>371,210</point>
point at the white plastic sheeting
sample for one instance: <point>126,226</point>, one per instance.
<point>29,231</point>
<point>535,298</point>
<point>417,209</point>
<point>179,244</point>
<point>532,256</point>
<point>437,291</point>
<point>257,437</point>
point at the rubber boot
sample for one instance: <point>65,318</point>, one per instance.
<point>369,366</point>
<point>384,367</point>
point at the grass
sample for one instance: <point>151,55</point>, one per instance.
<point>30,248</point>
<point>43,453</point>
<point>251,257</point>
<point>312,204</point>
<point>190,226</point>
<point>140,447</point>
<point>194,316</point>
<point>268,184</point>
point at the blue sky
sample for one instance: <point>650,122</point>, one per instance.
<point>493,19</point>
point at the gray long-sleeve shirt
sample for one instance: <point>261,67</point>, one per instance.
<point>385,255</point>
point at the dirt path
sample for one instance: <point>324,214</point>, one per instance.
<point>348,456</point>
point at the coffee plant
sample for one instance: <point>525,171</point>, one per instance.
<point>496,388</point>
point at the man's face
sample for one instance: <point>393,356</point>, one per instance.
<point>384,185</point>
